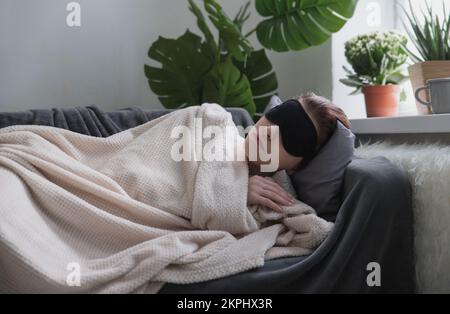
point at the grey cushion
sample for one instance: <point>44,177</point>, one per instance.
<point>320,183</point>
<point>274,101</point>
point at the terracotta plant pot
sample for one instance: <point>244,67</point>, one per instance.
<point>382,100</point>
<point>420,73</point>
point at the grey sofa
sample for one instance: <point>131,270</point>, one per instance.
<point>374,222</point>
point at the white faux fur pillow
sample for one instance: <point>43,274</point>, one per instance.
<point>428,167</point>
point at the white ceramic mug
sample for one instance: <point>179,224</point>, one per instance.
<point>439,91</point>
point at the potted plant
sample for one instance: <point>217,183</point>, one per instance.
<point>430,35</point>
<point>377,59</point>
<point>223,67</point>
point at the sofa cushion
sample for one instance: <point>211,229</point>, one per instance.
<point>319,184</point>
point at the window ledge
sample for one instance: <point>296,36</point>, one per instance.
<point>431,124</point>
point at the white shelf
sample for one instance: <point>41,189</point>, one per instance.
<point>403,125</point>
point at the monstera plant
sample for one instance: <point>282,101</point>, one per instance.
<point>223,67</point>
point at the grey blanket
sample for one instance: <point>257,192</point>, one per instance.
<point>374,223</point>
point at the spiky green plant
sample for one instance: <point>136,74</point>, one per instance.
<point>430,34</point>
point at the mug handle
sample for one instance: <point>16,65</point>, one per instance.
<point>417,94</point>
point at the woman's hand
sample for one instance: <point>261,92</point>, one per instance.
<point>262,191</point>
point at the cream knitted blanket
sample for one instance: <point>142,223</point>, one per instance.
<point>119,215</point>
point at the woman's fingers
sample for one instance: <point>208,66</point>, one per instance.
<point>267,193</point>
<point>276,188</point>
<point>270,204</point>
<point>273,196</point>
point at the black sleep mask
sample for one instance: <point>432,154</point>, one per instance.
<point>297,130</point>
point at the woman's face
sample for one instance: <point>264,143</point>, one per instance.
<point>265,140</point>
<point>286,161</point>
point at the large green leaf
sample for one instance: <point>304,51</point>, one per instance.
<point>300,24</point>
<point>263,80</point>
<point>184,64</point>
<point>227,86</point>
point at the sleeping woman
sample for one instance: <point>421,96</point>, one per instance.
<point>132,218</point>
<point>305,125</point>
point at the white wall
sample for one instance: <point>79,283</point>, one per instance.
<point>44,63</point>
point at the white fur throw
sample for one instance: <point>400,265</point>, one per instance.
<point>428,167</point>
<point>119,215</point>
